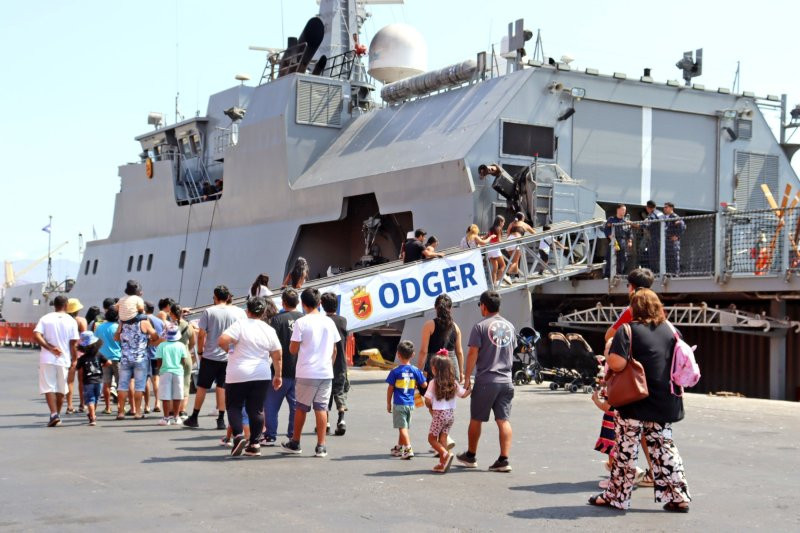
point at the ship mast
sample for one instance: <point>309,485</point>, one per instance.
<point>49,256</point>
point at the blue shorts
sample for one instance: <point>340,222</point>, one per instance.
<point>136,371</point>
<point>91,393</point>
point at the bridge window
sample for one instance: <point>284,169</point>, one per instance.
<point>182,259</point>
<point>94,267</point>
<point>149,262</point>
<point>206,256</point>
<point>139,263</point>
<point>527,140</point>
<point>86,270</point>
<point>130,263</point>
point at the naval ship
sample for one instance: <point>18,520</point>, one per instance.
<point>341,149</point>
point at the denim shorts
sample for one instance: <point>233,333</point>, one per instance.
<point>91,393</point>
<point>137,371</point>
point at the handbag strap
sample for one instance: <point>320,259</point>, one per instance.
<point>629,330</point>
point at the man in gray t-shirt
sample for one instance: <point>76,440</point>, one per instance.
<point>213,359</point>
<point>491,353</point>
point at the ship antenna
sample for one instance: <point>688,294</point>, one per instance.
<point>538,49</point>
<point>49,258</point>
<point>736,78</point>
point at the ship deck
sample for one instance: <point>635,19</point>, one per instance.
<point>741,458</point>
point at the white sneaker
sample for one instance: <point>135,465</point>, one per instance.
<point>164,421</point>
<point>407,453</point>
<point>396,451</point>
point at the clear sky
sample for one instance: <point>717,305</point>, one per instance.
<point>79,77</point>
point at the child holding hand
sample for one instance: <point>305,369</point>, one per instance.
<point>440,398</point>
<point>403,381</point>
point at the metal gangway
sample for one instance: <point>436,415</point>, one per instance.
<point>729,319</point>
<point>572,253</point>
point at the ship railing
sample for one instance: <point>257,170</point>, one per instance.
<point>226,138</point>
<point>572,252</point>
<point>282,62</point>
<point>719,245</point>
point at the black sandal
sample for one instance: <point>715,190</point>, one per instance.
<point>595,500</point>
<point>673,507</point>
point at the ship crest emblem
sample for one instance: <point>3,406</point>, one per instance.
<point>362,303</point>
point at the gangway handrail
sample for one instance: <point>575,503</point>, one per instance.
<point>564,268</point>
<point>730,319</point>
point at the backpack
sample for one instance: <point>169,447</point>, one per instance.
<point>685,372</point>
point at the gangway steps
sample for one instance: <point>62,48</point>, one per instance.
<point>565,264</point>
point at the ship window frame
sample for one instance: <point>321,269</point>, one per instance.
<point>149,262</point>
<point>86,268</point>
<point>551,156</point>
<point>130,263</point>
<point>139,261</point>
<point>206,257</point>
<point>94,267</point>
<point>181,259</point>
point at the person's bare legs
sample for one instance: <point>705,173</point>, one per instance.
<point>220,398</point>
<point>155,390</point>
<point>473,435</point>
<point>402,437</point>
<point>107,395</point>
<point>199,398</point>
<point>146,395</point>
<point>50,398</point>
<point>122,396</point>
<point>59,402</point>
<point>137,403</point>
<point>504,429</point>
<point>70,387</point>
<point>81,403</point>
<point>91,409</point>
<point>299,421</point>
<point>322,421</point>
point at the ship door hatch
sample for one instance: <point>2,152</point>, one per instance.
<point>363,236</point>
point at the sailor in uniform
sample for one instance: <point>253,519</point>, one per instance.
<point>673,230</point>
<point>622,242</point>
<point>654,233</point>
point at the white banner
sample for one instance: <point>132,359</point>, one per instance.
<point>388,296</point>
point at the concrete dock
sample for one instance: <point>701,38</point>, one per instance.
<point>742,461</point>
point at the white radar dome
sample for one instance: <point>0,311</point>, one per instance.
<point>397,52</point>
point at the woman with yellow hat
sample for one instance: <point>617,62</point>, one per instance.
<point>73,306</point>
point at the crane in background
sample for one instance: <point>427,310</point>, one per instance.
<point>11,276</point>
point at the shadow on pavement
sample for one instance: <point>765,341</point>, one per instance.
<point>564,512</point>
<point>188,459</point>
<point>560,488</point>
<point>367,457</point>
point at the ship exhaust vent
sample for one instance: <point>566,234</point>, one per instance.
<point>744,129</point>
<point>753,170</point>
<point>319,104</point>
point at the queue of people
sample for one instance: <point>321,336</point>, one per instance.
<point>260,356</point>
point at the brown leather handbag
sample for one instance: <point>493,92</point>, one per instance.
<point>629,384</point>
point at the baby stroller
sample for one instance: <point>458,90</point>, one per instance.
<point>570,363</point>
<point>525,366</point>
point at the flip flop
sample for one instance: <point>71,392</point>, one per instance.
<point>673,507</point>
<point>70,411</point>
<point>449,462</point>
<point>120,417</point>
